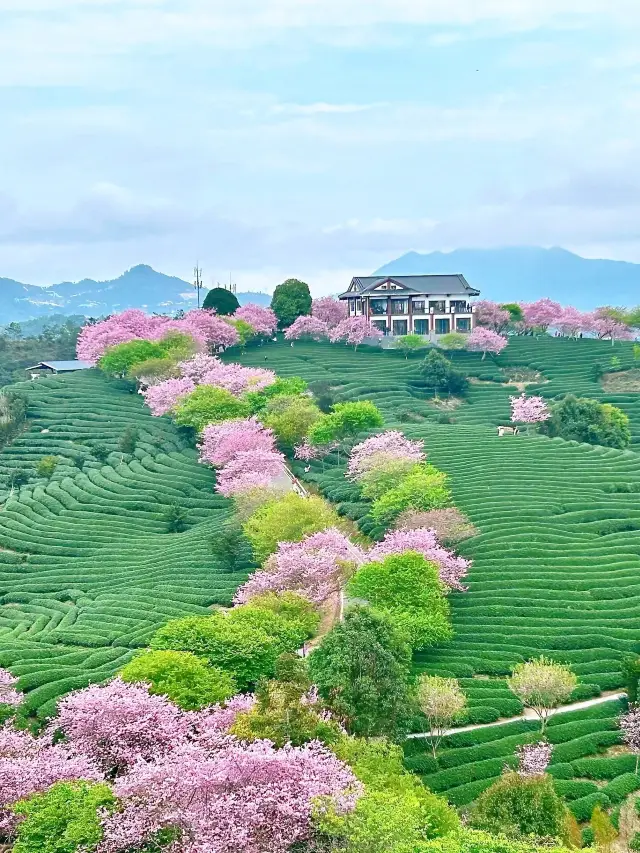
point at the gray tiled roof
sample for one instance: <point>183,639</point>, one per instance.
<point>438,285</point>
<point>62,365</point>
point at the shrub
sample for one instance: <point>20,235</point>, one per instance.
<point>604,832</point>
<point>440,375</point>
<point>129,440</point>
<point>520,806</point>
<point>361,669</point>
<point>231,548</point>
<point>408,590</point>
<point>175,519</point>
<point>410,343</point>
<point>589,421</point>
<point>287,519</point>
<point>207,405</point>
<point>290,418</point>
<point>425,488</point>
<point>453,341</point>
<point>290,606</point>
<point>631,673</point>
<point>46,466</point>
<point>154,370</point>
<point>63,819</point>
<point>182,677</point>
<point>221,300</point>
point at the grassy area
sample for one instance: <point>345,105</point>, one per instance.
<point>87,569</point>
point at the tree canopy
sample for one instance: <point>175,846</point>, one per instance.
<point>222,301</point>
<point>291,299</point>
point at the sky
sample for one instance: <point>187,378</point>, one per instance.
<point>319,139</point>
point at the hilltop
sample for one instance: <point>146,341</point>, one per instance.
<point>139,287</point>
<point>533,272</point>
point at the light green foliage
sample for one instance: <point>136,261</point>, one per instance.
<point>118,359</point>
<point>580,419</point>
<point>520,806</point>
<point>221,300</point>
<point>408,590</point>
<point>453,341</point>
<point>245,641</point>
<point>207,405</point>
<point>154,369</point>
<point>287,519</point>
<point>46,466</point>
<point>361,669</point>
<point>290,606</point>
<point>345,419</point>
<point>410,343</point>
<point>471,841</point>
<point>291,386</point>
<point>384,476</point>
<point>604,831</point>
<point>282,713</point>
<point>245,330</point>
<point>442,702</point>
<point>63,819</point>
<point>424,488</point>
<point>290,300</point>
<point>515,311</point>
<point>183,677</point>
<point>290,418</point>
<point>542,685</point>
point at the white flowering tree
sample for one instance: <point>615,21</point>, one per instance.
<point>542,685</point>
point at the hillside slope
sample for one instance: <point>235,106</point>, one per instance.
<point>87,571</point>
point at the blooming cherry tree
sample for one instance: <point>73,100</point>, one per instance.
<point>307,327</point>
<point>391,444</point>
<point>540,314</point>
<point>220,443</point>
<point>606,326</point>
<point>329,310</point>
<point>9,695</point>
<point>263,320</point>
<point>534,758</point>
<point>630,726</point>
<point>164,396</point>
<point>529,410</point>
<point>451,568</point>
<point>306,452</point>
<point>572,322</point>
<point>249,469</point>
<point>354,330</point>
<point>491,315</point>
<point>484,341</point>
<point>314,567</point>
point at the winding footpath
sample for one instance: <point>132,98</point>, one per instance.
<point>530,715</point>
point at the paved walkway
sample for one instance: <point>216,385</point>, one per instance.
<point>530,715</point>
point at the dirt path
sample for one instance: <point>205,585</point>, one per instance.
<point>530,715</point>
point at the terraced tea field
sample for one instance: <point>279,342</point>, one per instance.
<point>557,562</point>
<point>87,569</point>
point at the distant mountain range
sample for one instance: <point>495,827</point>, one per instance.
<point>139,287</point>
<point>528,273</point>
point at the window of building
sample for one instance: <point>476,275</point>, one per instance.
<point>400,327</point>
<point>421,327</point>
<point>378,306</point>
<point>399,306</point>
<point>463,324</point>
<point>437,306</point>
<point>380,324</point>
<point>459,306</point>
<point>443,327</point>
<point>419,306</point>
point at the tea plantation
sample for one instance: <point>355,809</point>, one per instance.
<point>556,566</point>
<point>88,570</point>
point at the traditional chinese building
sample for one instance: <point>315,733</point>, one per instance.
<point>430,305</point>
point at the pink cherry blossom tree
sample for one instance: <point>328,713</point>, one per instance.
<point>540,314</point>
<point>238,379</point>
<point>529,410</point>
<point>263,320</point>
<point>220,443</point>
<point>354,330</point>
<point>630,726</point>
<point>329,310</point>
<point>117,724</point>
<point>248,470</point>
<point>235,798</point>
<point>572,322</point>
<point>9,694</point>
<point>606,326</point>
<point>391,444</point>
<point>316,567</point>
<point>306,326</point>
<point>491,315</point>
<point>205,327</point>
<point>451,568</point>
<point>534,758</point>
<point>306,452</point>
<point>164,396</point>
<point>484,341</point>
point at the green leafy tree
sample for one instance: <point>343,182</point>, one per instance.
<point>46,466</point>
<point>231,548</point>
<point>63,819</point>
<point>515,311</point>
<point>424,488</point>
<point>542,685</point>
<point>283,713</point>
<point>604,831</point>
<point>175,518</point>
<point>408,590</point>
<point>186,679</point>
<point>19,477</point>
<point>361,669</point>
<point>291,299</point>
<point>631,673</point>
<point>345,420</point>
<point>221,300</point>
<point>440,375</point>
<point>384,476</point>
<point>129,440</point>
<point>580,419</point>
<point>208,405</point>
<point>442,702</point>
<point>290,418</point>
<point>118,360</point>
<point>520,806</point>
<point>291,386</point>
<point>409,343</point>
<point>453,341</point>
<point>636,352</point>
<point>292,607</point>
<point>245,330</point>
<point>287,519</point>
<point>154,369</point>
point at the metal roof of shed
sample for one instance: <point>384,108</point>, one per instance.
<point>62,366</point>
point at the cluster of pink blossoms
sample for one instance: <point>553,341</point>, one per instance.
<point>387,446</point>
<point>353,331</point>
<point>529,410</point>
<point>306,326</point>
<point>329,311</point>
<point>315,567</point>
<point>451,568</point>
<point>250,470</point>
<point>221,442</point>
<point>262,320</point>
<point>209,370</point>
<point>203,326</point>
<point>164,396</point>
<point>534,758</point>
<point>484,341</point>
<point>9,695</point>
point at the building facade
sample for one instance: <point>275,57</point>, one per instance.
<point>430,305</point>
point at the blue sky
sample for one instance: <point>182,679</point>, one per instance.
<point>312,138</point>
